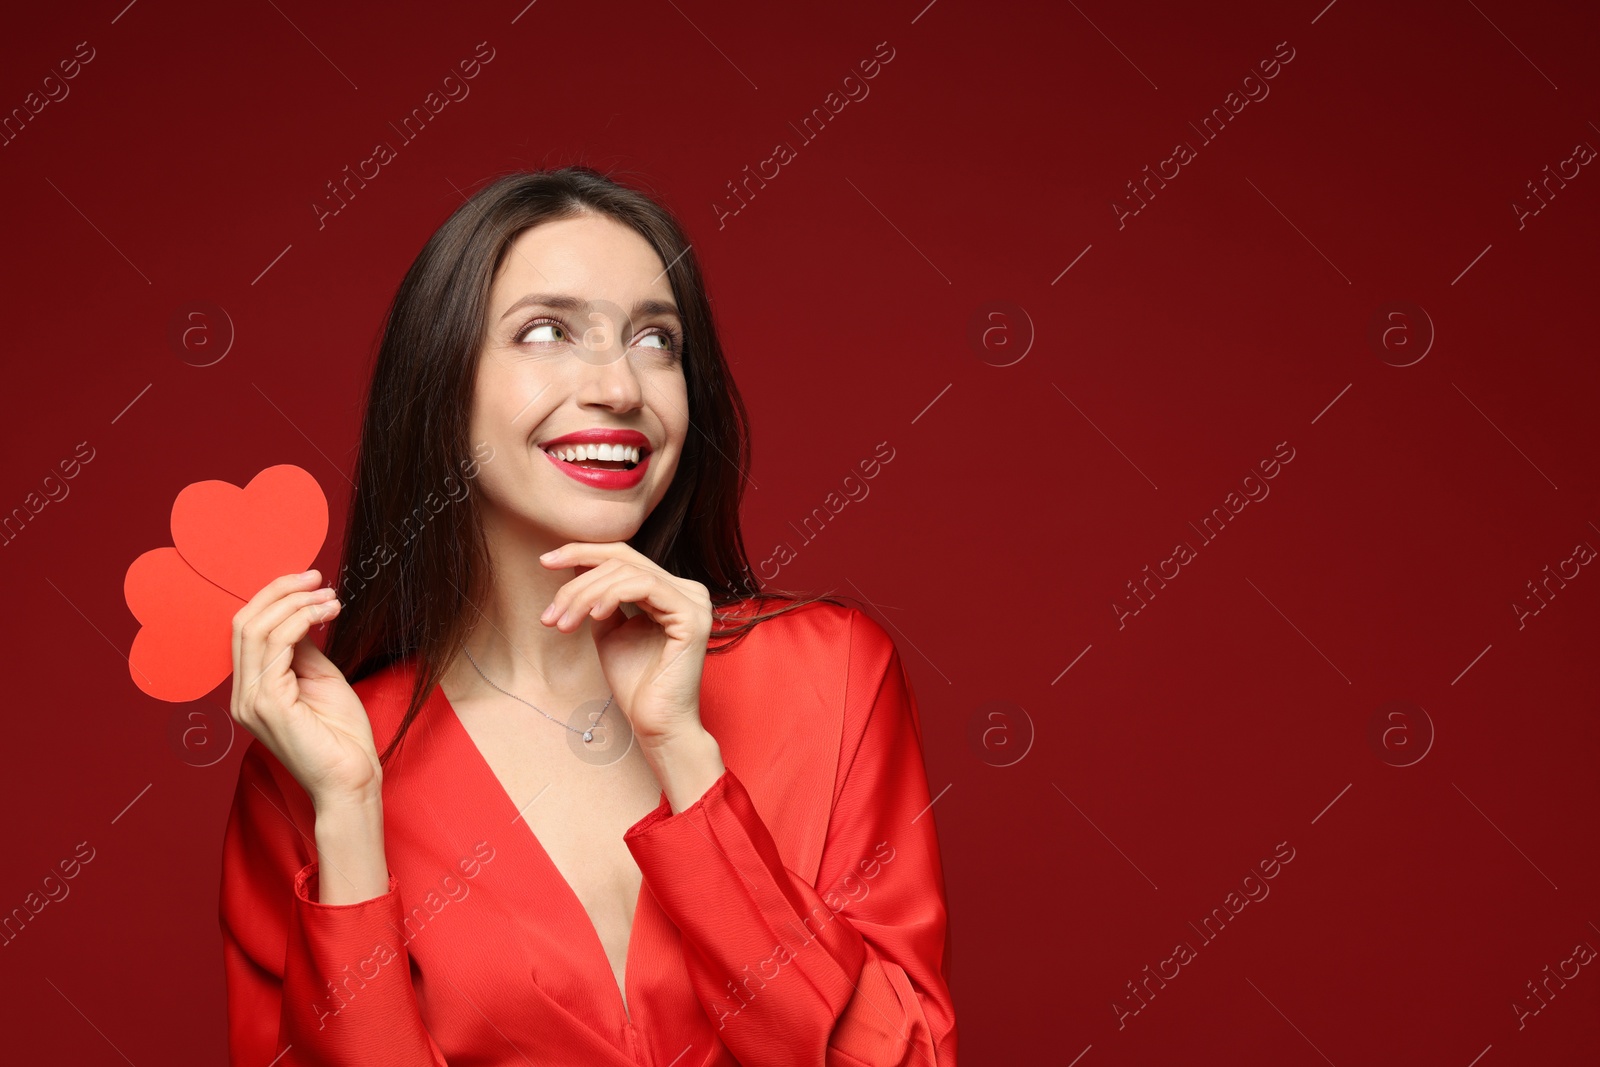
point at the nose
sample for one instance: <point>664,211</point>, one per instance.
<point>608,377</point>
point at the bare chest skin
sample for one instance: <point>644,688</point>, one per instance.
<point>578,810</point>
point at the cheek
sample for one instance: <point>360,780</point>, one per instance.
<point>675,417</point>
<point>491,483</point>
<point>505,414</point>
<point>505,390</point>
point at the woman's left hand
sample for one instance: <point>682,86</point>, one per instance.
<point>653,661</point>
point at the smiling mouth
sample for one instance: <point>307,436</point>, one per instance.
<point>598,457</point>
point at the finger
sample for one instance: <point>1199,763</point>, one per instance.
<point>666,604</point>
<point>251,634</point>
<point>592,553</point>
<point>683,611</point>
<point>602,626</point>
<point>624,584</point>
<point>267,594</point>
<point>565,600</point>
<point>603,599</point>
<point>310,664</point>
<point>264,655</point>
<point>277,649</point>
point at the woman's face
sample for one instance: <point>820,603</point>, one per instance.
<point>583,336</point>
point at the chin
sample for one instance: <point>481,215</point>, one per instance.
<point>600,529</point>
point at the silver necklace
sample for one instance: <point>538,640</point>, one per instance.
<point>588,735</point>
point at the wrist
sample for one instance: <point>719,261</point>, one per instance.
<point>347,818</point>
<point>349,802</point>
<point>685,765</point>
<point>351,859</point>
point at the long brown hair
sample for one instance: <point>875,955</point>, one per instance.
<point>414,472</point>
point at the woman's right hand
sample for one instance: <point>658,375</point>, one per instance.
<point>295,701</point>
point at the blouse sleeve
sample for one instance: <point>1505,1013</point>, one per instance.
<point>309,984</point>
<point>852,971</point>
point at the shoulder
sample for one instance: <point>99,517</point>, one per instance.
<point>819,633</point>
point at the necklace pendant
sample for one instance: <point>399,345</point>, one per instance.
<point>588,735</point>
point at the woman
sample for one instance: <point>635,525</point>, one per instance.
<point>629,808</point>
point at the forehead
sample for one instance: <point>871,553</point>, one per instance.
<point>594,256</point>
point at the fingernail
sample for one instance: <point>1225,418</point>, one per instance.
<point>552,554</point>
<point>309,574</point>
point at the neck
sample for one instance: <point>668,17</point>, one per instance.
<point>513,648</point>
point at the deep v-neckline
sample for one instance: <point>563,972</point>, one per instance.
<point>624,993</point>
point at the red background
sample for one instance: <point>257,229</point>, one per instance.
<point>1231,314</point>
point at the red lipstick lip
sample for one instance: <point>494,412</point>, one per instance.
<point>603,479</point>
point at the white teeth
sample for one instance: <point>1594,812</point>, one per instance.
<point>573,453</point>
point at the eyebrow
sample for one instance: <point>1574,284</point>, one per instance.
<point>563,302</point>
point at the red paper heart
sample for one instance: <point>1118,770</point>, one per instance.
<point>230,542</point>
<point>184,647</point>
<point>241,539</point>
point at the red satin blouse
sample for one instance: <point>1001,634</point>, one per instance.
<point>794,914</point>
